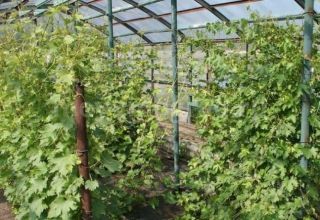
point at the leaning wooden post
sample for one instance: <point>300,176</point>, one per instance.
<point>82,150</point>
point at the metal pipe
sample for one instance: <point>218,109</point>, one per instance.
<point>169,83</point>
<point>152,79</point>
<point>307,51</point>
<point>76,7</point>
<point>190,96</point>
<point>247,57</point>
<point>208,69</point>
<point>82,150</point>
<point>175,116</point>
<point>110,32</point>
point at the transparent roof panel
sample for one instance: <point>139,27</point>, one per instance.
<point>164,6</point>
<point>131,14</point>
<point>116,5</point>
<point>87,12</point>
<point>35,2</point>
<point>159,37</point>
<point>101,4</point>
<point>119,4</point>
<point>194,19</point>
<point>267,8</point>
<point>298,22</point>
<point>148,25</point>
<point>191,15</point>
<point>131,39</point>
<point>202,32</point>
<point>317,6</point>
<point>58,2</point>
<point>120,29</point>
<point>8,5</point>
<point>216,2</point>
<point>100,21</point>
<point>143,1</point>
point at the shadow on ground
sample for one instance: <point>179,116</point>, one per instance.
<point>163,211</point>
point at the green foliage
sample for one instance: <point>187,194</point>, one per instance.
<point>38,165</point>
<point>123,132</point>
<point>250,118</point>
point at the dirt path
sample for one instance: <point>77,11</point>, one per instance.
<point>187,134</point>
<point>5,209</point>
<point>163,211</point>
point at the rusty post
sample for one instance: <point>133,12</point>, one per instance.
<point>82,150</point>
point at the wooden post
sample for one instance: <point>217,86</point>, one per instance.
<point>82,150</point>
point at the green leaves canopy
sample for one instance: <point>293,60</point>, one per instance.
<point>39,66</point>
<point>249,166</point>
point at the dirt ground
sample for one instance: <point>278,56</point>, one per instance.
<point>163,212</point>
<point>5,210</point>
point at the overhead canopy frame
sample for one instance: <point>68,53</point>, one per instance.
<point>149,21</point>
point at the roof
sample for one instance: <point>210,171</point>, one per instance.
<point>149,21</point>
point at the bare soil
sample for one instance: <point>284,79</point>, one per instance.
<point>5,209</point>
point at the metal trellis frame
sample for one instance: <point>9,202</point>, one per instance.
<point>135,31</point>
<point>302,3</point>
<point>144,6</point>
<point>152,14</point>
<point>125,8</point>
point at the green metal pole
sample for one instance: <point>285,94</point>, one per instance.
<point>152,80</point>
<point>190,96</point>
<point>208,69</point>
<point>306,103</point>
<point>175,117</point>
<point>110,32</point>
<point>77,12</point>
<point>247,57</point>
